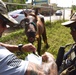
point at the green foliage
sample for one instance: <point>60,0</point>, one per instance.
<point>15,1</point>
<point>13,35</point>
<point>57,35</point>
<point>73,7</point>
<point>14,7</point>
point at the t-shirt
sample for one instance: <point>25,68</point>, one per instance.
<point>10,64</point>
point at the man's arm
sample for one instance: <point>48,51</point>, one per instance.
<point>28,47</point>
<point>44,69</point>
<point>49,65</point>
<point>34,69</point>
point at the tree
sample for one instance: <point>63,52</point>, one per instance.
<point>73,7</point>
<point>14,7</point>
<point>15,1</point>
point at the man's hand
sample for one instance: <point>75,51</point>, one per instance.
<point>29,48</point>
<point>47,57</point>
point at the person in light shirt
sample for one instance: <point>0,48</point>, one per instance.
<point>10,64</point>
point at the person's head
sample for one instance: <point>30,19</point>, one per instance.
<point>72,25</point>
<point>4,18</point>
<point>2,26</point>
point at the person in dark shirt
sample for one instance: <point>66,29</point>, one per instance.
<point>72,25</point>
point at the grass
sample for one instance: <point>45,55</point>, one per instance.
<point>57,36</point>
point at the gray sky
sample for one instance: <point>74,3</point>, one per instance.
<point>64,3</point>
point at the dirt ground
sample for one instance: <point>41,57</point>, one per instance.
<point>9,30</point>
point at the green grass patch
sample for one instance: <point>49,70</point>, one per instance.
<point>57,36</point>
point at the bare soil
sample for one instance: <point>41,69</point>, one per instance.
<point>9,30</point>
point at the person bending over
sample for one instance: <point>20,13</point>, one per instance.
<point>10,64</point>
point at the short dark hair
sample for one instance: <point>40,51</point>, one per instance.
<point>3,23</point>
